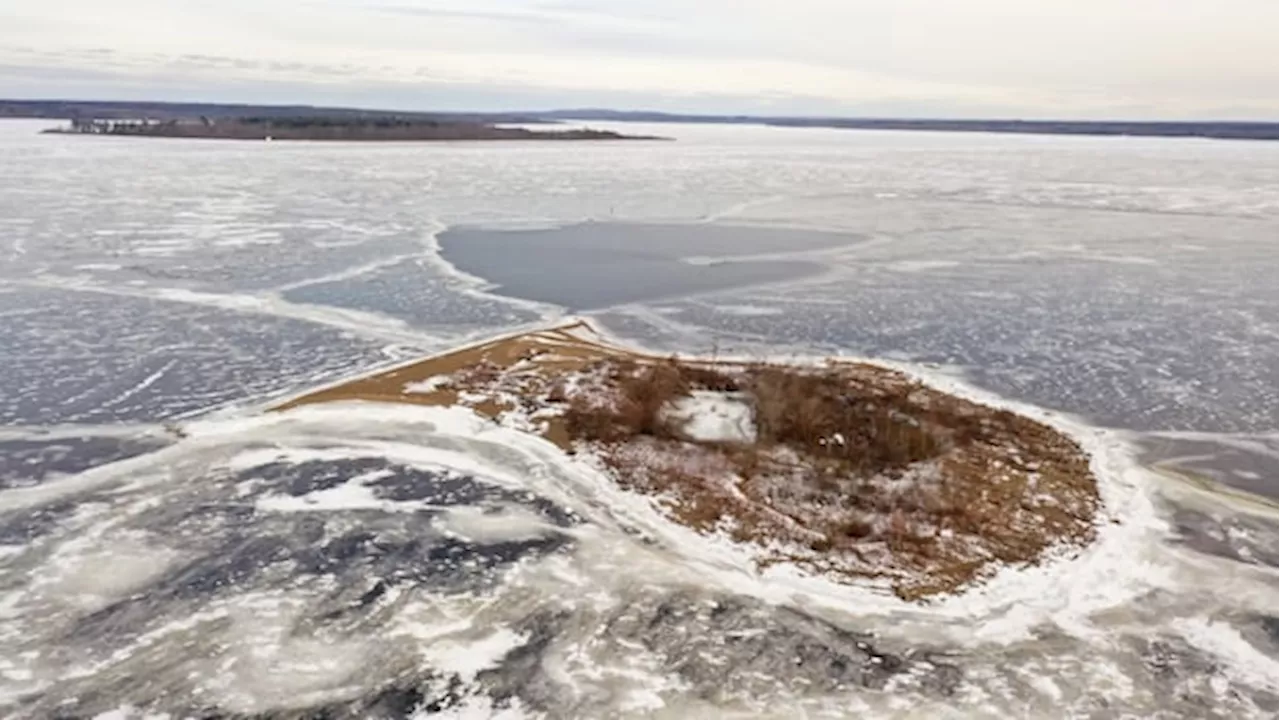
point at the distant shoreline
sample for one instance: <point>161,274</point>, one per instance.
<point>164,111</point>
<point>381,129</point>
<point>1218,130</point>
<point>547,136</point>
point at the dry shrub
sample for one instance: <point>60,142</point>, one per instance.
<point>901,534</point>
<point>706,377</point>
<point>645,393</point>
<point>558,392</point>
<point>587,420</point>
<point>856,527</point>
<point>825,413</point>
<point>640,392</point>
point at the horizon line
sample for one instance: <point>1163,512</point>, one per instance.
<point>639,111</point>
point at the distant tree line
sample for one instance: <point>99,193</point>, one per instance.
<point>95,126</point>
<point>257,127</point>
<point>327,122</point>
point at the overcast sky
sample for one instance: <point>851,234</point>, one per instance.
<point>1159,59</point>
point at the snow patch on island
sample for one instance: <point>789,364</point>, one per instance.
<point>710,416</point>
<point>429,385</point>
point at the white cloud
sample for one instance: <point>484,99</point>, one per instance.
<point>1064,58</point>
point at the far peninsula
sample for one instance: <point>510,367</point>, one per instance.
<point>380,128</point>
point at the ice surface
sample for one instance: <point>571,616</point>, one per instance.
<point>1225,642</point>
<point>418,518</point>
<point>491,525</point>
<point>371,561</point>
<point>87,357</point>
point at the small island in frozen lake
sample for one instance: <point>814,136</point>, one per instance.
<point>376,128</point>
<point>847,469</point>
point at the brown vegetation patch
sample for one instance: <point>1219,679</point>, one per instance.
<point>854,471</point>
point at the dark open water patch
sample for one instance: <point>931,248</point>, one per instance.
<point>596,265</point>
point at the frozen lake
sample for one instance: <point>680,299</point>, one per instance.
<point>155,293</point>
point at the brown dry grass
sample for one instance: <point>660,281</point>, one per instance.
<point>825,414</point>
<point>637,396</point>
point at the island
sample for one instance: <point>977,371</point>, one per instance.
<point>343,128</point>
<point>848,470</point>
